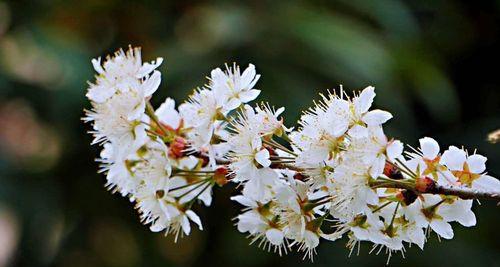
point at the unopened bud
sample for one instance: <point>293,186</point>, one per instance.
<point>407,197</point>
<point>272,151</point>
<point>177,148</point>
<point>392,171</point>
<point>299,176</point>
<point>204,159</point>
<point>220,176</point>
<point>494,137</point>
<point>425,185</point>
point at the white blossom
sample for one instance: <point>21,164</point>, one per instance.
<point>336,174</point>
<point>232,88</point>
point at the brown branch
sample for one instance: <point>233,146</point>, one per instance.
<point>464,193</point>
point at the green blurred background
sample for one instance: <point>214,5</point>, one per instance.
<point>434,64</point>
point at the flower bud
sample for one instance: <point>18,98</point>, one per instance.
<point>220,176</point>
<point>177,147</point>
<point>299,176</point>
<point>391,171</point>
<point>407,197</point>
<point>425,185</point>
<point>272,151</point>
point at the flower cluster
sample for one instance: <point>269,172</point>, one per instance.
<point>337,174</point>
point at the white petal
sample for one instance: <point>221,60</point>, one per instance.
<point>454,158</point>
<point>152,83</point>
<point>167,114</point>
<point>394,150</point>
<point>218,82</point>
<point>186,227</point>
<point>279,111</point>
<point>96,63</point>
<point>256,143</point>
<point>138,111</point>
<point>417,236</point>
<point>430,200</point>
<point>311,239</point>
<point>254,81</point>
<point>486,183</point>
<point>364,101</point>
<point>255,189</point>
<point>268,176</point>
<point>262,157</point>
<point>371,197</point>
<point>360,233</point>
<point>442,228</point>
<point>340,126</point>
<point>193,217</point>
<point>250,95</point>
<point>275,236</point>
<point>429,147</point>
<point>376,117</point>
<point>217,75</point>
<point>477,163</point>
<point>99,94</point>
<point>358,131</point>
<point>467,219</point>
<point>459,211</point>
<point>157,227</point>
<point>232,104</point>
<point>244,201</point>
<point>206,197</point>
<point>377,167</point>
<point>331,237</point>
<point>414,212</point>
<point>148,67</point>
<point>140,135</point>
<point>248,75</point>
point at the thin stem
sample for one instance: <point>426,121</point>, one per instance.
<point>401,169</point>
<point>322,202</point>
<point>394,214</point>
<point>282,161</point>
<point>381,207</point>
<point>288,166</point>
<point>277,145</point>
<point>151,113</point>
<point>414,175</point>
<point>281,157</point>
<point>188,185</point>
<point>203,190</point>
<point>190,203</point>
<point>199,175</point>
<point>192,172</point>
<point>191,190</point>
<point>311,205</point>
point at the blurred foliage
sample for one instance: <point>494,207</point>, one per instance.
<point>433,63</point>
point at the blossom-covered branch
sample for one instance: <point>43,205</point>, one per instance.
<point>336,174</point>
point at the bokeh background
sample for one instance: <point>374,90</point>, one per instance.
<point>434,64</point>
